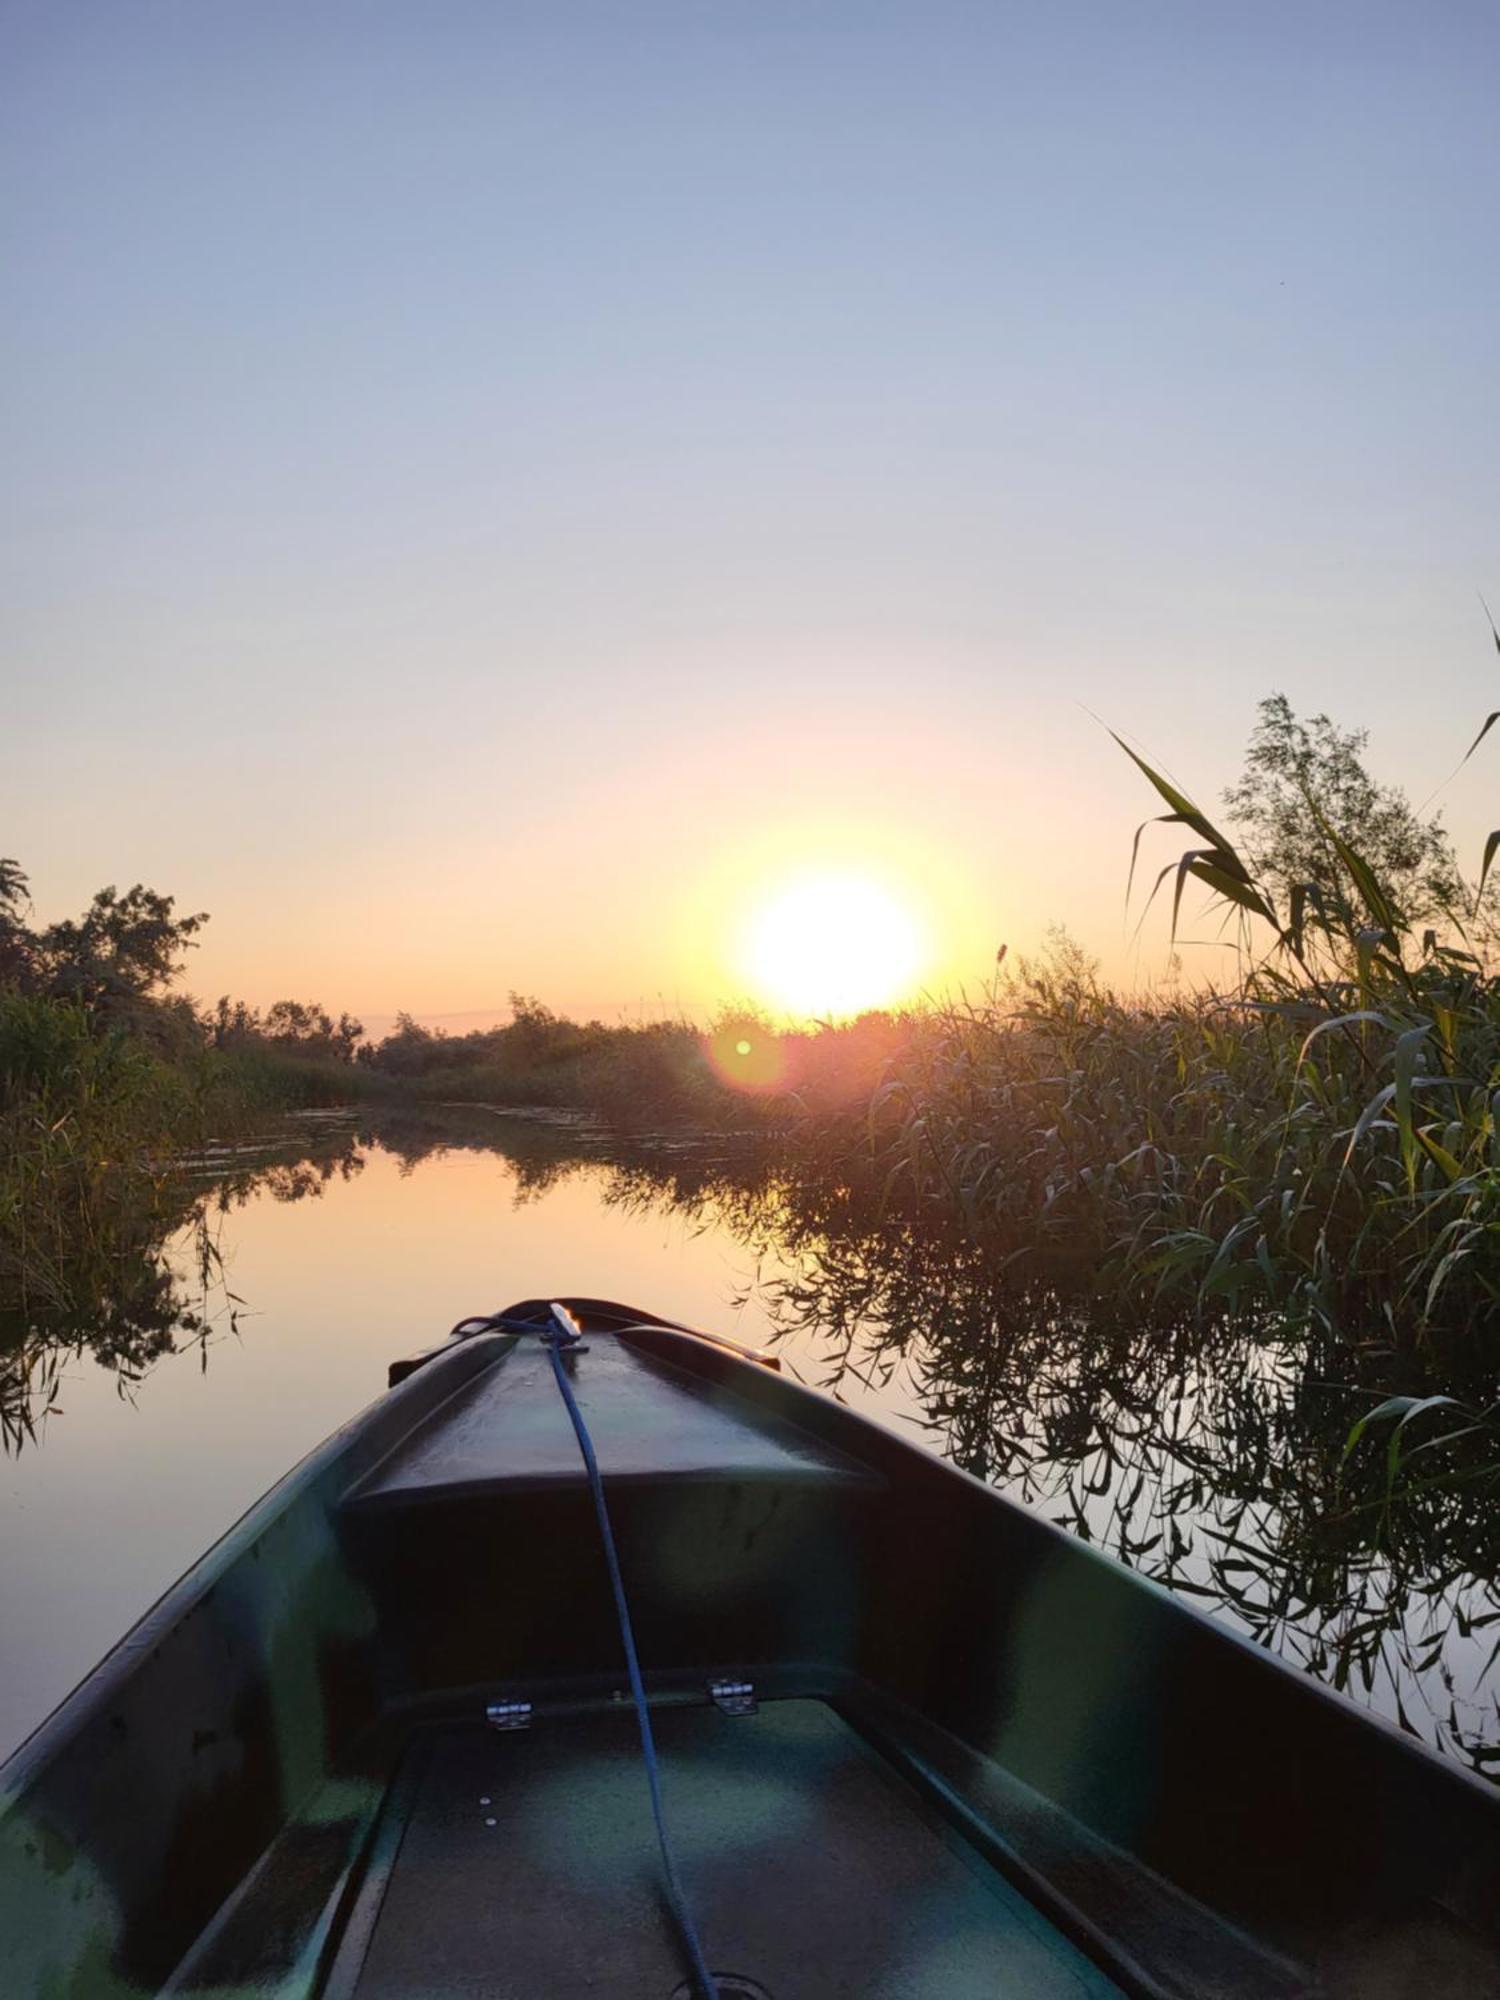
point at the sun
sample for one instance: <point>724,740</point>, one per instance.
<point>834,945</point>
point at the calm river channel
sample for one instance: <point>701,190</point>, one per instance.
<point>1210,1462</point>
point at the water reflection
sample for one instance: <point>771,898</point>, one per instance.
<point>154,1284</point>
<point>1208,1456</point>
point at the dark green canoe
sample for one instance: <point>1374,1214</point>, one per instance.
<point>913,1741</point>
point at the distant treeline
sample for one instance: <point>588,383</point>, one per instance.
<point>739,1070</point>
<point>97,994</point>
<point>109,1075</point>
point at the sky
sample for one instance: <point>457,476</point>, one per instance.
<point>491,495</point>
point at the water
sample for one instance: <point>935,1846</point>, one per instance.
<point>1213,1462</point>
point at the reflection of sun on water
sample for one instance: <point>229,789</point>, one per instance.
<point>834,945</point>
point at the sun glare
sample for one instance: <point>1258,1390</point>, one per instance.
<point>834,945</point>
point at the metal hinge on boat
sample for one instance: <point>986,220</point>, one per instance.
<point>508,1714</point>
<point>733,1697</point>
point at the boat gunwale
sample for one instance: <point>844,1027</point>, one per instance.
<point>1341,1705</point>
<point>414,1395</point>
<point>194,1585</point>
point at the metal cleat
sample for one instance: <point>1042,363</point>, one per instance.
<point>733,1697</point>
<point>508,1714</point>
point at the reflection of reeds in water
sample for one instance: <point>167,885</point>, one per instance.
<point>129,1268</point>
<point>1208,1451</point>
<point>123,1265</point>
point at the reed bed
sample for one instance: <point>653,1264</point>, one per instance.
<point>1252,1150</point>
<point>1315,1150</point>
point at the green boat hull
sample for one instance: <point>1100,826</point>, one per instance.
<point>982,1758</point>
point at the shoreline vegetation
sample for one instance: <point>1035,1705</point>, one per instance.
<point>1313,1146</point>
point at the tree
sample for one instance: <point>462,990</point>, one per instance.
<point>307,1027</point>
<point>120,951</point>
<point>409,1050</point>
<point>1305,781</point>
<point>17,945</point>
<point>232,1024</point>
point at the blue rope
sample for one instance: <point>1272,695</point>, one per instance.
<point>556,1342</point>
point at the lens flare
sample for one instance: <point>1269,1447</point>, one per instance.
<point>834,945</point>
<point>748,1054</point>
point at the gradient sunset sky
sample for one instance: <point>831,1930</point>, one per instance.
<point>493,491</point>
